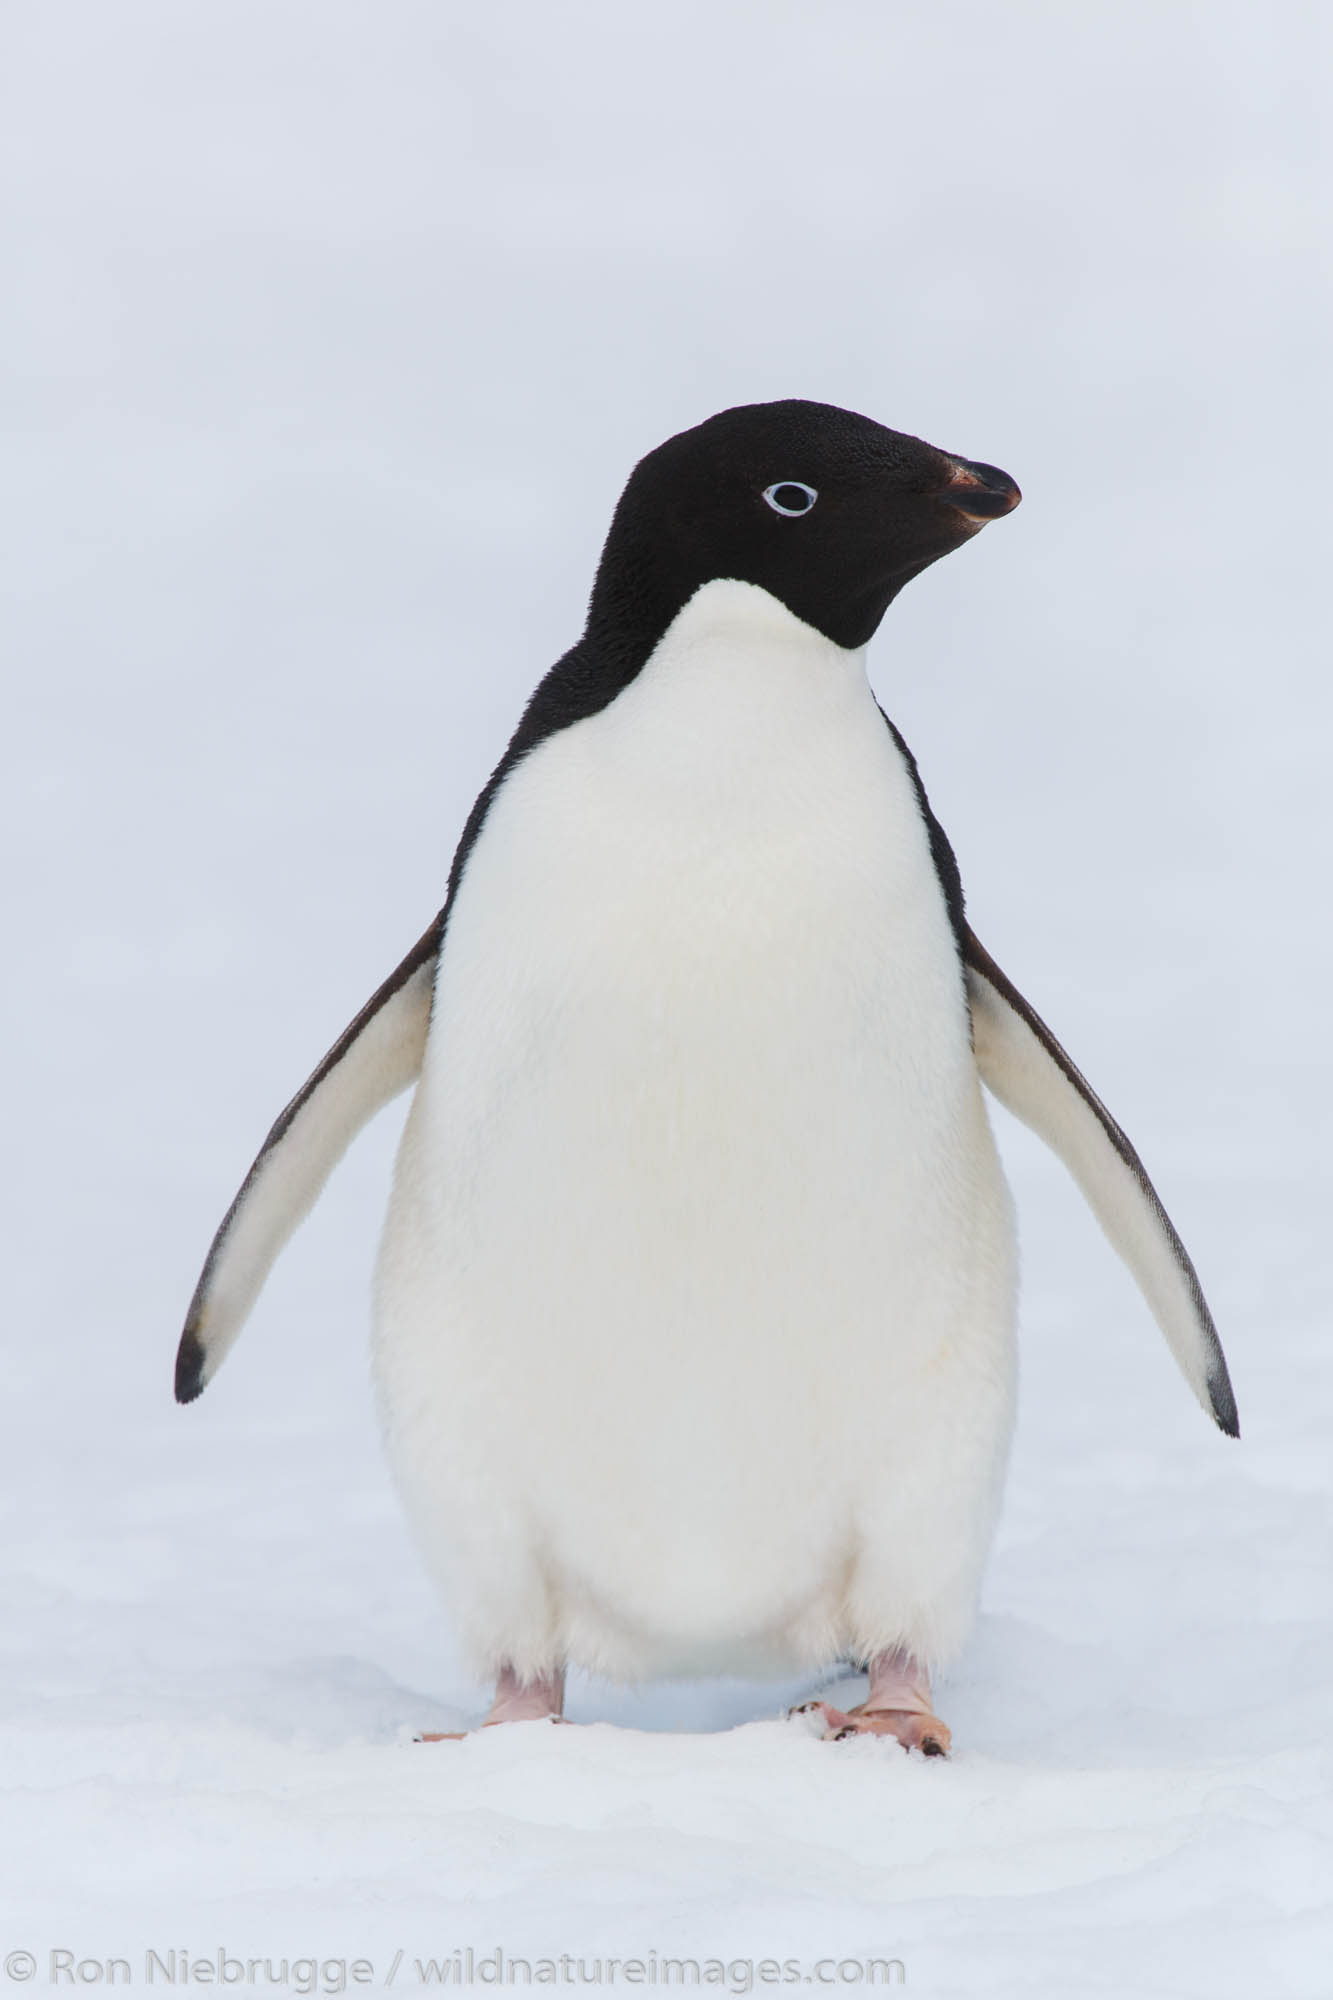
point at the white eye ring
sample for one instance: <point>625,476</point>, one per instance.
<point>790,489</point>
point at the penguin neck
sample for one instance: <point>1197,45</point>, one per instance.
<point>737,684</point>
<point>738,641</point>
<point>735,705</point>
<point>742,649</point>
<point>628,628</point>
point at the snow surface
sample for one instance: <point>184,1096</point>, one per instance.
<point>331,333</point>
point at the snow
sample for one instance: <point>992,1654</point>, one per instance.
<point>331,334</point>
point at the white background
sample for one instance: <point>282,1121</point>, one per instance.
<point>330,334</point>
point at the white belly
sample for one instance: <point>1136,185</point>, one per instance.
<point>695,1307</point>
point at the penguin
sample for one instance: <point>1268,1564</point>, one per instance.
<point>694,1322</point>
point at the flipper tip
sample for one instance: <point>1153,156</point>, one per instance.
<point>1223,1403</point>
<point>190,1365</point>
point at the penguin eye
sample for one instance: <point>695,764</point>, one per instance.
<point>790,496</point>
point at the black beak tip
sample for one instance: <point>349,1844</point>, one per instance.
<point>982,492</point>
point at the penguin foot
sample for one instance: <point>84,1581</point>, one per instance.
<point>913,1729</point>
<point>540,1700</point>
<point>897,1704</point>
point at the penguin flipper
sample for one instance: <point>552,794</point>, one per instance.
<point>374,1059</point>
<point>1023,1065</point>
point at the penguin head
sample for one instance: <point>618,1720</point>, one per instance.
<point>827,511</point>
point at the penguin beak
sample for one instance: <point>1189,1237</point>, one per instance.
<point>980,493</point>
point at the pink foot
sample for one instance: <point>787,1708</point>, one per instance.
<point>898,1705</point>
<point>515,1701</point>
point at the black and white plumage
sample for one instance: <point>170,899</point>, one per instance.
<point>695,1307</point>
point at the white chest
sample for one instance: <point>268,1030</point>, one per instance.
<point>726,871</point>
<point>699,1079</point>
<point>698,1236</point>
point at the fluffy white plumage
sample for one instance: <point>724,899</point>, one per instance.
<point>695,1309</point>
